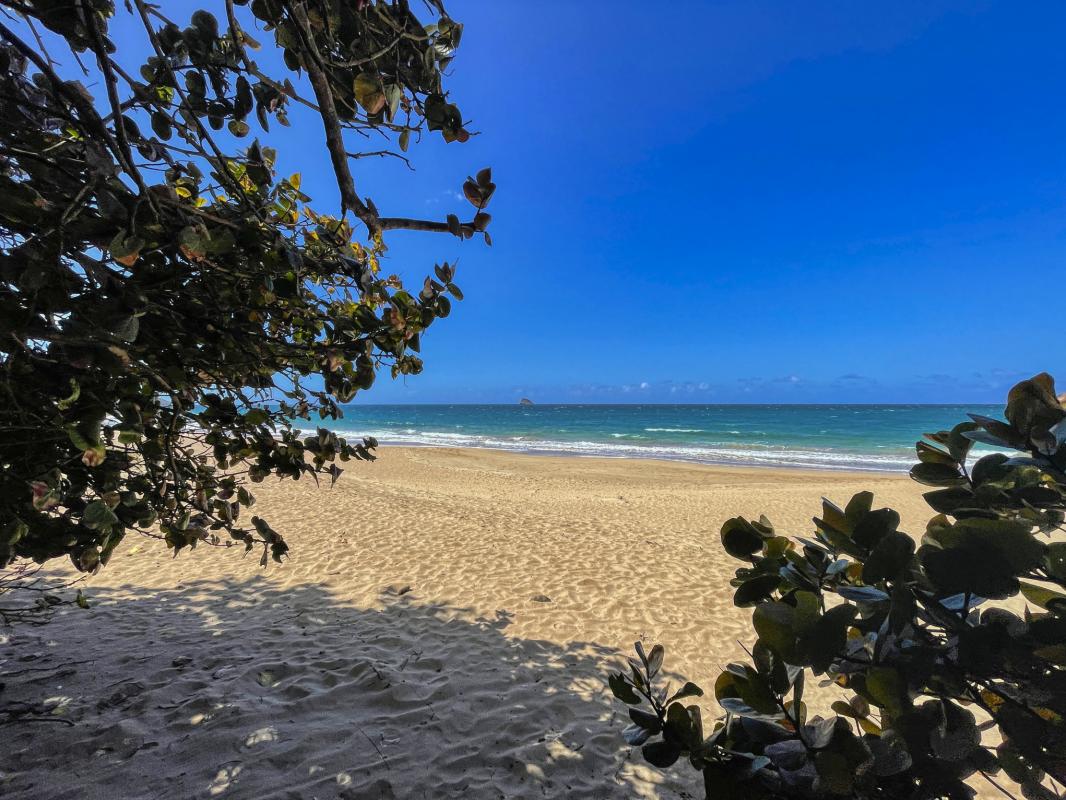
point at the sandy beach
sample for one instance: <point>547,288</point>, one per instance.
<point>443,628</point>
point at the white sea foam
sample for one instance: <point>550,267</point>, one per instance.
<point>674,430</point>
<point>745,455</point>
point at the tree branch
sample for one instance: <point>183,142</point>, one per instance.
<point>88,18</point>
<point>334,140</point>
<point>403,223</point>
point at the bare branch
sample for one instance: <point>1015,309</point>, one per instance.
<point>404,223</point>
<point>383,154</point>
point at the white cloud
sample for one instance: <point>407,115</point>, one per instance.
<point>447,194</point>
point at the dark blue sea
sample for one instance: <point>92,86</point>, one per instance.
<point>868,437</point>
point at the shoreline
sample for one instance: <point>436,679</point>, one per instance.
<point>832,438</point>
<point>659,459</point>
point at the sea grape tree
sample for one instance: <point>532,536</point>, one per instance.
<point>170,303</point>
<point>947,655</point>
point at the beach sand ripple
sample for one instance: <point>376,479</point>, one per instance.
<point>443,629</point>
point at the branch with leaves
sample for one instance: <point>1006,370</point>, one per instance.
<point>180,317</point>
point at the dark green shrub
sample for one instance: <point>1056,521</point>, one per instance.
<point>916,635</point>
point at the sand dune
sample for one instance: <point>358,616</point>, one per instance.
<point>442,629</point>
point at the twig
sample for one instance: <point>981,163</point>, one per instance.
<point>382,154</point>
<point>989,778</point>
<point>374,745</point>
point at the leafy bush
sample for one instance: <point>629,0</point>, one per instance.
<point>167,298</point>
<point>910,632</point>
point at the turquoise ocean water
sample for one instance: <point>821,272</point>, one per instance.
<point>870,437</point>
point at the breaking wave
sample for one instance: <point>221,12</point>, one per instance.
<point>741,455</point>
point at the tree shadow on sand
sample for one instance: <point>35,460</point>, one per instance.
<point>237,689</point>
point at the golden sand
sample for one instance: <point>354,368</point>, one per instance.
<point>443,628</point>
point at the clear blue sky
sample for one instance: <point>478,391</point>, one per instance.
<point>777,201</point>
<point>741,201</point>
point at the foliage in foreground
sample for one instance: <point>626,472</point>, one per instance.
<point>911,636</point>
<point>167,298</point>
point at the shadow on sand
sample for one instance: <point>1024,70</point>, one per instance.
<point>241,689</point>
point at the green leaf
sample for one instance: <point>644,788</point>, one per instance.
<point>1045,598</point>
<point>827,638</point>
<point>837,519</point>
<point>890,754</point>
<point>689,689</point>
<point>743,690</point>
<point>756,590</point>
<point>127,328</point>
<point>205,22</point>
<point>125,249</point>
<point>783,627</point>
<point>1033,407</point>
<point>885,688</point>
<point>1056,560</point>
<point>393,95</point>
<point>636,735</point>
<point>980,556</point>
<point>740,538</point>
<point>97,516</point>
<point>957,736</point>
<point>646,720</point>
<point>655,659</point>
<point>622,689</point>
<point>256,416</point>
<point>937,475</point>
<point>959,444</point>
<point>928,454</point>
<point>844,709</point>
<point>193,243</point>
<point>128,435</point>
<point>161,125</point>
<point>950,500</point>
<point>368,92</point>
<point>774,624</point>
<point>874,526</point>
<point>684,724</point>
<point>661,754</point>
<point>243,101</point>
<point>862,594</point>
<point>72,398</point>
<point>859,506</point>
<point>889,558</point>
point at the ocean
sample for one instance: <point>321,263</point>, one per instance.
<point>863,437</point>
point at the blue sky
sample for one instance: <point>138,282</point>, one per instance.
<point>739,202</point>
<point>764,201</point>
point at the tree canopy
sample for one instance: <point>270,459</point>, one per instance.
<point>168,299</point>
<point>916,637</point>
